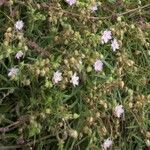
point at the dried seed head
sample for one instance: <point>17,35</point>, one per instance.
<point>48,111</point>
<point>43,115</point>
<point>66,61</point>
<point>90,120</point>
<point>130,104</point>
<point>104,131</point>
<point>147,141</point>
<point>97,115</point>
<point>37,71</point>
<point>148,134</point>
<point>119,19</point>
<point>72,60</point>
<point>46,69</point>
<point>86,129</point>
<point>70,73</point>
<point>9,29</point>
<point>27,82</point>
<point>76,52</point>
<point>47,61</point>
<point>121,84</point>
<point>73,133</point>
<point>42,72</point>
<point>132,26</point>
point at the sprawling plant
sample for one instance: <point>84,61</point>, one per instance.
<point>74,74</point>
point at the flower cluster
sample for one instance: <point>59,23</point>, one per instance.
<point>74,71</point>
<point>107,35</point>
<point>57,77</point>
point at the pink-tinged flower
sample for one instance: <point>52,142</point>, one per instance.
<point>19,55</point>
<point>74,79</point>
<point>94,8</point>
<point>106,36</point>
<point>107,144</point>
<point>57,77</point>
<point>98,65</point>
<point>71,2</point>
<point>114,45</point>
<point>119,111</point>
<point>13,72</point>
<point>19,25</point>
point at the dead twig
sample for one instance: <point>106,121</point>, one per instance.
<point>14,125</point>
<point>13,147</point>
<point>92,17</point>
<point>37,48</point>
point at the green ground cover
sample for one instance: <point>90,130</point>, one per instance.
<point>75,74</point>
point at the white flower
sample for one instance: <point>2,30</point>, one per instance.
<point>106,36</point>
<point>107,143</point>
<point>19,25</point>
<point>13,72</point>
<point>71,2</point>
<point>114,45</point>
<point>74,79</point>
<point>119,111</point>
<point>57,77</point>
<point>19,55</point>
<point>98,65</point>
<point>94,8</point>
